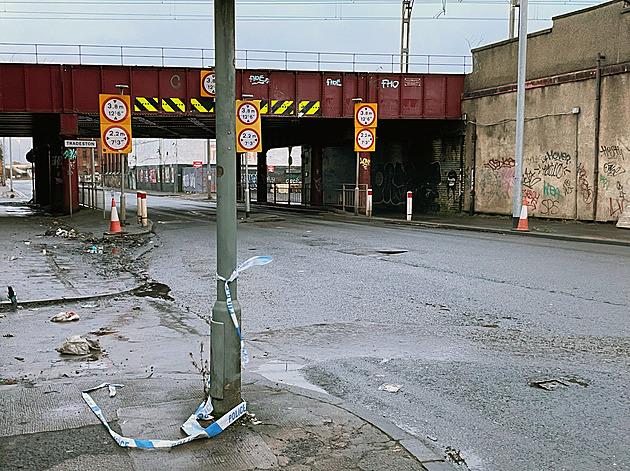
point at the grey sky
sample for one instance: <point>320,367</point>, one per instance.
<point>355,26</point>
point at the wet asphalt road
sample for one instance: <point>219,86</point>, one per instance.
<point>462,325</point>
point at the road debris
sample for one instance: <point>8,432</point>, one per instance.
<point>392,388</point>
<point>549,384</point>
<point>12,297</point>
<point>77,345</point>
<point>65,317</point>
<point>8,335</point>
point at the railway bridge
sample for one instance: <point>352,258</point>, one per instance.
<point>419,138</point>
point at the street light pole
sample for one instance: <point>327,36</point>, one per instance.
<point>520,114</point>
<point>356,181</point>
<point>225,350</point>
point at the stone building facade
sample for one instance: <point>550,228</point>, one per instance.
<point>576,154</point>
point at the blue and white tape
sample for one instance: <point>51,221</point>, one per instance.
<point>254,261</point>
<point>191,427</point>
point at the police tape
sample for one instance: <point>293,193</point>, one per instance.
<point>254,261</point>
<point>191,427</point>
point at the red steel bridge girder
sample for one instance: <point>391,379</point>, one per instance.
<point>47,88</point>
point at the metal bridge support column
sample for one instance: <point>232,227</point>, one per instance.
<point>317,184</point>
<point>261,176</point>
<point>56,179</point>
<point>365,161</point>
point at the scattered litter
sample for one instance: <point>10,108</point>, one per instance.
<point>2,316</point>
<point>12,297</point>
<point>549,385</point>
<point>136,308</point>
<point>384,360</point>
<point>19,358</point>
<point>89,305</point>
<point>102,332</point>
<point>94,249</point>
<point>392,388</point>
<point>77,345</point>
<point>27,243</point>
<point>432,438</point>
<point>14,258</point>
<point>491,326</point>
<point>71,234</point>
<point>8,335</point>
<point>65,317</point>
<point>44,251</point>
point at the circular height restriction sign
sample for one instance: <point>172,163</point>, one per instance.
<point>365,115</point>
<point>116,138</point>
<point>208,83</point>
<point>115,110</point>
<point>248,139</point>
<point>365,140</point>
<point>247,113</point>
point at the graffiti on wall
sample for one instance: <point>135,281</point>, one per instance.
<point>554,164</point>
<point>393,180</point>
<point>585,188</point>
<point>496,164</point>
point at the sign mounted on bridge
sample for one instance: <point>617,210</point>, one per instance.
<point>248,128</point>
<point>79,143</point>
<point>365,119</point>
<point>365,115</point>
<point>365,140</point>
<point>115,113</point>
<point>208,85</point>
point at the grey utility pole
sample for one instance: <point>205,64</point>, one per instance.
<point>225,349</point>
<point>520,113</point>
<point>407,6</point>
<point>512,16</point>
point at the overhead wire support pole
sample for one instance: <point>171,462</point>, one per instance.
<point>520,114</point>
<point>407,7</point>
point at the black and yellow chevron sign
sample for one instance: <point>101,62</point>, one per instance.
<point>173,105</point>
<point>202,105</point>
<point>146,104</point>
<point>309,108</point>
<point>282,107</point>
<point>264,106</point>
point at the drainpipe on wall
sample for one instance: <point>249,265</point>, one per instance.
<point>461,172</point>
<point>598,89</point>
<point>472,169</point>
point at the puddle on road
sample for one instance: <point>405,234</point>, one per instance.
<point>154,290</point>
<point>286,373</point>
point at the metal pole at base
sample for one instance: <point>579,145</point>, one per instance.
<point>368,204</point>
<point>356,187</point>
<point>409,205</point>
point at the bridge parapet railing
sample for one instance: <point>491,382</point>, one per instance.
<point>245,58</point>
<point>343,197</point>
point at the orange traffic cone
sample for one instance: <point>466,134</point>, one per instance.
<point>522,221</point>
<point>114,223</point>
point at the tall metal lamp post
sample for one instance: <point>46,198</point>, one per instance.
<point>225,361</point>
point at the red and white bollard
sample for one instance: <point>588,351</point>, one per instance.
<point>409,205</point>
<point>143,206</point>
<point>139,206</point>
<point>368,203</point>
